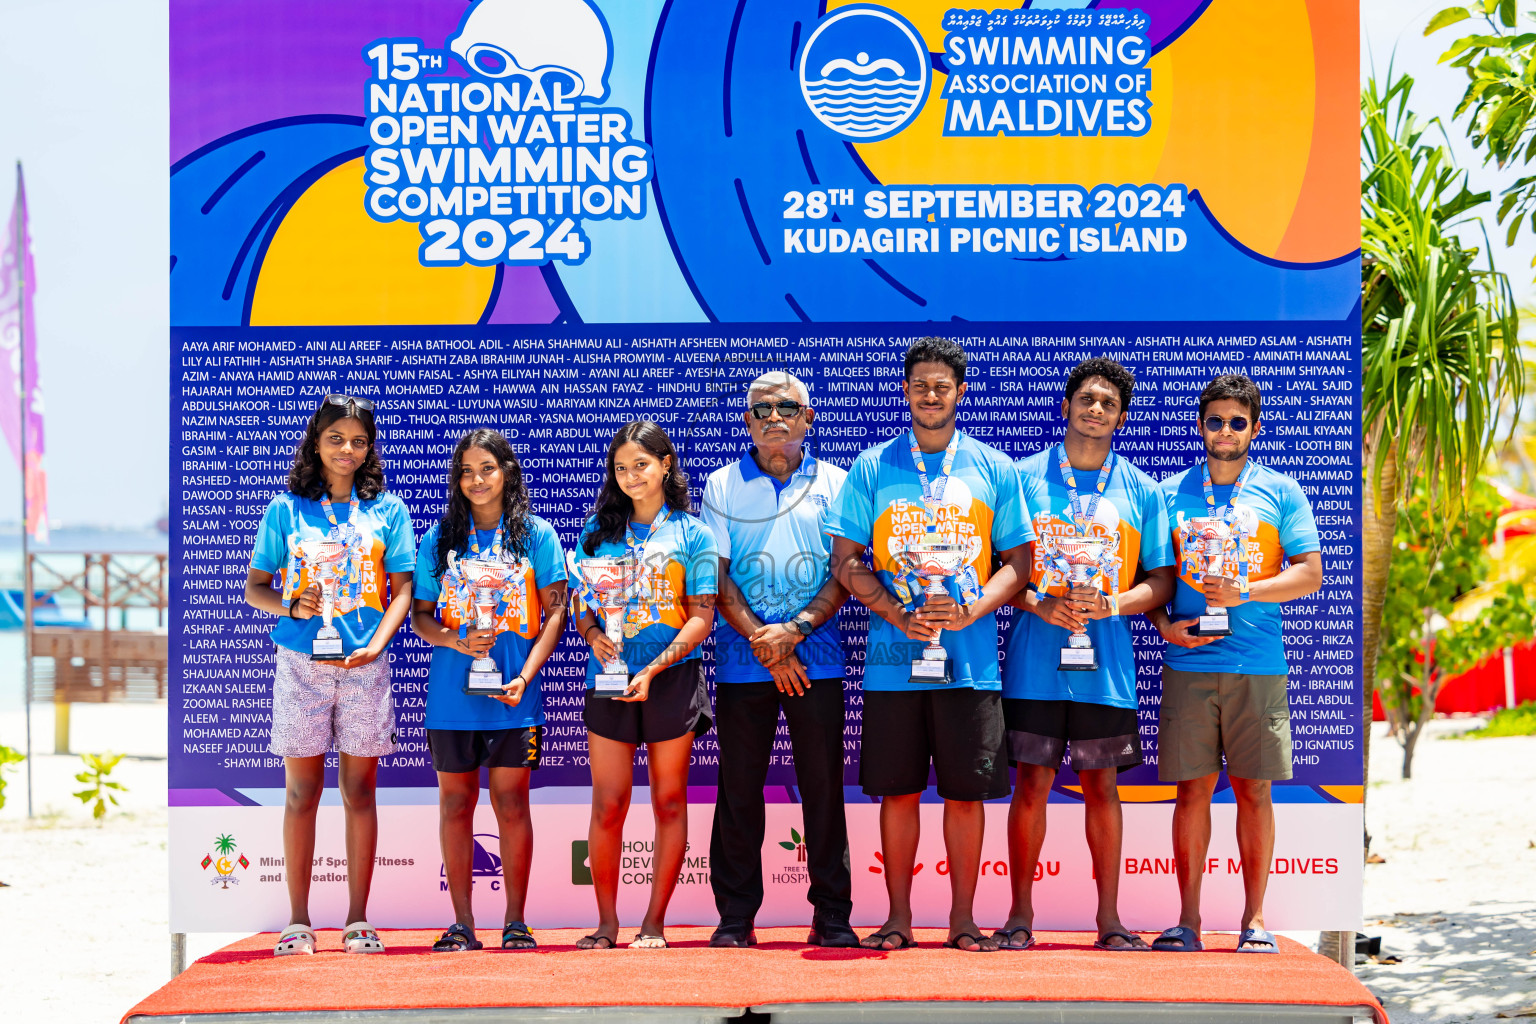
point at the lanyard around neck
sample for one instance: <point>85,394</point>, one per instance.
<point>933,493</point>
<point>1082,518</point>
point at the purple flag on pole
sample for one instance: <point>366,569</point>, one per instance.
<point>18,349</point>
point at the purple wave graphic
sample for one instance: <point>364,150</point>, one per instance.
<point>1169,17</point>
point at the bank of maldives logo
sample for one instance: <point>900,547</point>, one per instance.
<point>864,72</point>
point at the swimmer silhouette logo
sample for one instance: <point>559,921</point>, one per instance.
<point>503,166</point>
<point>864,72</point>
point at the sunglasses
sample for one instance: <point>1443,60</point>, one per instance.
<point>787,410</point>
<point>346,400</point>
<point>1213,424</point>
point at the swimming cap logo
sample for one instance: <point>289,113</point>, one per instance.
<point>865,73</point>
<point>534,38</point>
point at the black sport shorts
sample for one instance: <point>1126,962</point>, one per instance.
<point>468,750</point>
<point>676,703</point>
<point>959,731</point>
<point>1101,736</point>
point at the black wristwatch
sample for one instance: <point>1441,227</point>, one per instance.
<point>801,626</point>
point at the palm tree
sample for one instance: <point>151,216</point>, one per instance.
<point>225,844</point>
<point>1441,352</point>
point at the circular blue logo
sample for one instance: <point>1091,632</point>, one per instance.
<point>864,72</point>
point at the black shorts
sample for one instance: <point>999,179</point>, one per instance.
<point>677,704</point>
<point>1101,736</point>
<point>960,731</point>
<point>468,750</point>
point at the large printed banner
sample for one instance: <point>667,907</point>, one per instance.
<point>553,216</point>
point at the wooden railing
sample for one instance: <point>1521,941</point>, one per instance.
<point>85,662</point>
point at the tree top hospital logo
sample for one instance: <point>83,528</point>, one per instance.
<point>533,38</point>
<point>864,72</point>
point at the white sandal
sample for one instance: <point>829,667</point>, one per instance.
<point>361,938</point>
<point>296,938</point>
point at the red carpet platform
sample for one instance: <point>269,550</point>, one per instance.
<point>1063,979</point>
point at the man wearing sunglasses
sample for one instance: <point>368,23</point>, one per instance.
<point>1224,697</point>
<point>777,647</point>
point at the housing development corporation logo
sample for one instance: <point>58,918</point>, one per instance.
<point>506,165</point>
<point>224,847</point>
<point>864,72</point>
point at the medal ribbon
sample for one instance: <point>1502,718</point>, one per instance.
<point>909,587</point>
<point>347,534</point>
<point>1228,515</point>
<point>933,494</point>
<point>457,581</point>
<point>1082,520</point>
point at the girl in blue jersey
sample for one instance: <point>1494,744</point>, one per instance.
<point>487,517</point>
<point>642,512</point>
<point>336,502</point>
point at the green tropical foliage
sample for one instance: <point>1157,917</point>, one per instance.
<point>9,757</point>
<point>98,788</point>
<point>1517,721</point>
<point>1441,365</point>
<point>1500,99</point>
<point>225,844</point>
<point>1440,618</point>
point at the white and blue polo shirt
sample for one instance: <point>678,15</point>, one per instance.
<point>774,535</point>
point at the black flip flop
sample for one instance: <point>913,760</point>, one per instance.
<point>596,942</point>
<point>457,939</point>
<point>906,941</point>
<point>1004,937</point>
<point>1103,943</point>
<point>979,948</point>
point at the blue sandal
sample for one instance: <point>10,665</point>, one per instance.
<point>1178,939</point>
<point>457,939</point>
<point>1267,942</point>
<point>515,935</point>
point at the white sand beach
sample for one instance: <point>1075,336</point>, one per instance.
<point>1456,898</point>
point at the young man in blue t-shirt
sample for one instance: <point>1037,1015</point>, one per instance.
<point>1089,505</point>
<point>935,491</point>
<point>1224,696</point>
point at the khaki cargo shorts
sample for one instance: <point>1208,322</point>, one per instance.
<point>1205,715</point>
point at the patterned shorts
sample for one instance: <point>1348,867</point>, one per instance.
<point>317,708</point>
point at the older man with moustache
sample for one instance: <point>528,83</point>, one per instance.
<point>777,648</point>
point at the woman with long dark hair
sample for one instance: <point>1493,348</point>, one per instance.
<point>333,541</point>
<point>488,518</point>
<point>641,512</point>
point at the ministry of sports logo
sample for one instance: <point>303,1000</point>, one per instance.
<point>224,847</point>
<point>864,72</point>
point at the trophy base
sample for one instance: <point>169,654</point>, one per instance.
<point>1078,659</point>
<point>484,683</point>
<point>610,684</point>
<point>326,648</point>
<point>932,671</point>
<point>1213,625</point>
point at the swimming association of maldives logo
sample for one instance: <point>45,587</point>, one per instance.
<point>865,73</point>
<point>224,862</point>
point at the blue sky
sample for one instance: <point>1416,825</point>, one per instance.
<point>83,90</point>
